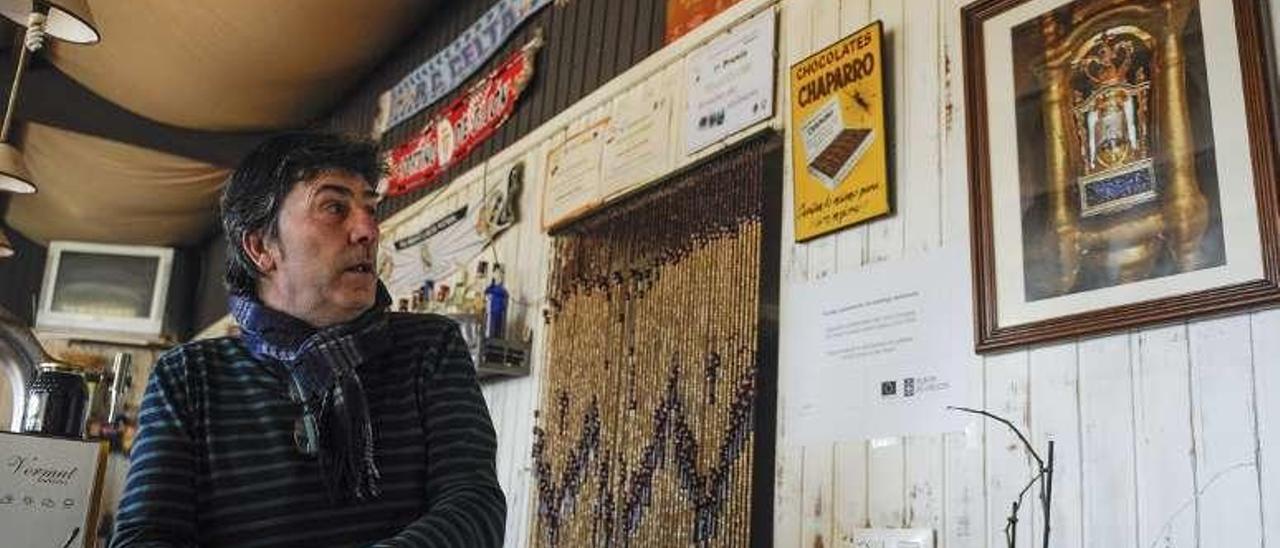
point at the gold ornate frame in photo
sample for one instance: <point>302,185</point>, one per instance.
<point>1135,180</point>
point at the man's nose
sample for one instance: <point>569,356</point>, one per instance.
<point>364,228</point>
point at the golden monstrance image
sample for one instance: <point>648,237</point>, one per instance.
<point>1115,146</point>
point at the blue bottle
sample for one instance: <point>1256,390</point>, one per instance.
<point>495,306</point>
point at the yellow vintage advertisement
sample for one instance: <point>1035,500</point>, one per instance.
<point>838,138</point>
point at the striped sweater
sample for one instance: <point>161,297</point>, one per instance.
<point>215,462</point>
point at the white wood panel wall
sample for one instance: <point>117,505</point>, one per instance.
<point>523,251</point>
<point>1165,436</point>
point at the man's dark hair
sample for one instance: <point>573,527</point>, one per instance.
<point>255,192</point>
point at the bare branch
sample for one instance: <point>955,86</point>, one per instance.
<point>1001,420</point>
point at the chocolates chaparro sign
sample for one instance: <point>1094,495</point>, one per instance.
<point>460,127</point>
<point>445,71</point>
<point>838,135</point>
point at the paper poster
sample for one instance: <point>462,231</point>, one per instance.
<point>637,142</point>
<point>49,490</point>
<point>730,82</point>
<point>573,174</point>
<point>838,136</point>
<point>879,352</point>
<point>435,243</point>
<point>448,69</point>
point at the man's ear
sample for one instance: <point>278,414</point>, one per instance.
<point>256,247</point>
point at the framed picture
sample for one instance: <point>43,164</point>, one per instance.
<point>1121,164</point>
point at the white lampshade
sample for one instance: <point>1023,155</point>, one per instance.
<point>6,248</point>
<point>68,20</point>
<point>14,176</point>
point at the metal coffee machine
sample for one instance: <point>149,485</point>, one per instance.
<point>20,356</point>
<point>57,402</point>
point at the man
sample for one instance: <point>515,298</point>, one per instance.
<point>329,421</point>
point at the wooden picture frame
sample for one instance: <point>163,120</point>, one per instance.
<point>1135,180</point>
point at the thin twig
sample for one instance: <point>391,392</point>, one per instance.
<point>1044,475</point>
<point>1001,420</point>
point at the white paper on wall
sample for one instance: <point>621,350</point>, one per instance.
<point>879,352</point>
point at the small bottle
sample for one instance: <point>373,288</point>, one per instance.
<point>442,298</point>
<point>473,301</point>
<point>429,296</point>
<point>495,311</point>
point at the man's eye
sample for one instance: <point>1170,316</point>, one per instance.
<point>337,208</point>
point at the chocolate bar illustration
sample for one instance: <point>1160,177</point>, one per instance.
<point>831,148</point>
<point>842,153</point>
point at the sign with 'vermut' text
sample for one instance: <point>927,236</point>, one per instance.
<point>49,489</point>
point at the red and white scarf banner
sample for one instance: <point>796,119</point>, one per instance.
<point>459,128</point>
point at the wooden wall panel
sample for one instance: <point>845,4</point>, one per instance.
<point>1107,442</point>
<point>1165,458</point>
<point>1228,507</point>
<point>1055,386</point>
<point>1266,388</point>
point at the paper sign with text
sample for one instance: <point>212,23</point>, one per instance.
<point>49,490</point>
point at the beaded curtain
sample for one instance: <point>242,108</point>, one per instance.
<point>645,431</point>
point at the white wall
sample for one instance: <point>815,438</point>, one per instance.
<point>1166,436</point>
<point>523,252</point>
<point>524,249</point>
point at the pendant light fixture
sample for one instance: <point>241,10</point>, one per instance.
<point>6,248</point>
<point>66,20</point>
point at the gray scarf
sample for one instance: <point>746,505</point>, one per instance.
<point>323,367</point>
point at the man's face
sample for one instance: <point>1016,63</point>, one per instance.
<point>322,264</point>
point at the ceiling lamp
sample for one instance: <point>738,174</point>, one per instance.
<point>6,248</point>
<point>62,19</point>
<point>68,20</point>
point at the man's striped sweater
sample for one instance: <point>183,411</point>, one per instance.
<point>215,462</point>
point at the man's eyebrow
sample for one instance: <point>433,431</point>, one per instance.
<point>334,188</point>
<point>368,194</point>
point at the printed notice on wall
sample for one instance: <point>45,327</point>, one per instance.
<point>48,490</point>
<point>637,142</point>
<point>879,352</point>
<point>731,82</point>
<point>573,174</point>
